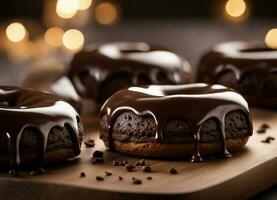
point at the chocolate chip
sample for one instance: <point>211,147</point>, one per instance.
<point>149,178</point>
<point>120,178</point>
<point>38,171</point>
<point>137,181</point>
<point>140,162</point>
<point>82,174</point>
<point>265,126</point>
<point>130,168</point>
<point>14,173</point>
<point>98,154</point>
<point>268,139</point>
<point>261,130</point>
<point>108,173</point>
<point>173,171</point>
<point>115,163</point>
<point>146,168</point>
<point>97,160</point>
<point>99,178</point>
<point>90,143</point>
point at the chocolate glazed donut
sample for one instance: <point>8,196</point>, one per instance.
<point>250,68</point>
<point>194,104</point>
<point>36,128</point>
<point>100,70</point>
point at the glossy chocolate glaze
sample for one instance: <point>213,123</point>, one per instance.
<point>22,108</point>
<point>194,103</point>
<point>241,58</point>
<point>134,61</point>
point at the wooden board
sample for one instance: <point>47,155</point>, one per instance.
<point>246,173</point>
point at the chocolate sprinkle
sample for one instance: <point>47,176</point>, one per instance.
<point>108,173</point>
<point>146,168</point>
<point>130,168</point>
<point>120,178</point>
<point>137,181</point>
<point>98,154</point>
<point>149,178</point>
<point>100,178</point>
<point>90,143</point>
<point>82,174</point>
<point>173,171</point>
<point>268,139</point>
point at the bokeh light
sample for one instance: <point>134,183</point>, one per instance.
<point>235,8</point>
<point>271,38</point>
<point>106,13</point>
<point>67,8</point>
<point>53,36</point>
<point>73,39</point>
<point>84,4</point>
<point>16,32</point>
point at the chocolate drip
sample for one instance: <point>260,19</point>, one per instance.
<point>22,108</point>
<point>92,69</point>
<point>196,103</point>
<point>241,59</point>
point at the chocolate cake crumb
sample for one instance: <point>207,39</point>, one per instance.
<point>260,130</point>
<point>98,154</point>
<point>82,174</point>
<point>38,171</point>
<point>173,171</point>
<point>99,178</point>
<point>263,128</point>
<point>108,173</point>
<point>115,163</point>
<point>140,162</point>
<point>14,173</point>
<point>97,160</point>
<point>268,139</point>
<point>120,178</point>
<point>124,162</point>
<point>90,143</point>
<point>146,169</point>
<point>137,181</point>
<point>149,178</point>
<point>130,168</point>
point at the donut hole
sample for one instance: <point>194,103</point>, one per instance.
<point>89,82</point>
<point>143,79</point>
<point>269,87</point>
<point>113,83</point>
<point>227,78</point>
<point>177,131</point>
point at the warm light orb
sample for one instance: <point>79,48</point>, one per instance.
<point>271,38</point>
<point>106,13</point>
<point>84,4</point>
<point>53,36</point>
<point>73,39</point>
<point>67,8</point>
<point>235,8</point>
<point>16,32</point>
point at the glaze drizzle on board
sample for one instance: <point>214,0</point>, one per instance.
<point>195,103</point>
<point>22,108</point>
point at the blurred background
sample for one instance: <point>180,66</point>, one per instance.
<point>48,32</point>
<point>37,32</point>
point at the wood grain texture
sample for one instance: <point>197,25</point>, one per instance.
<point>245,174</point>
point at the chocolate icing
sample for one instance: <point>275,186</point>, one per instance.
<point>241,58</point>
<point>139,63</point>
<point>22,108</point>
<point>194,103</point>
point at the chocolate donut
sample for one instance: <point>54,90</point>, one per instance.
<point>36,128</point>
<point>176,121</point>
<point>250,68</point>
<point>100,70</point>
